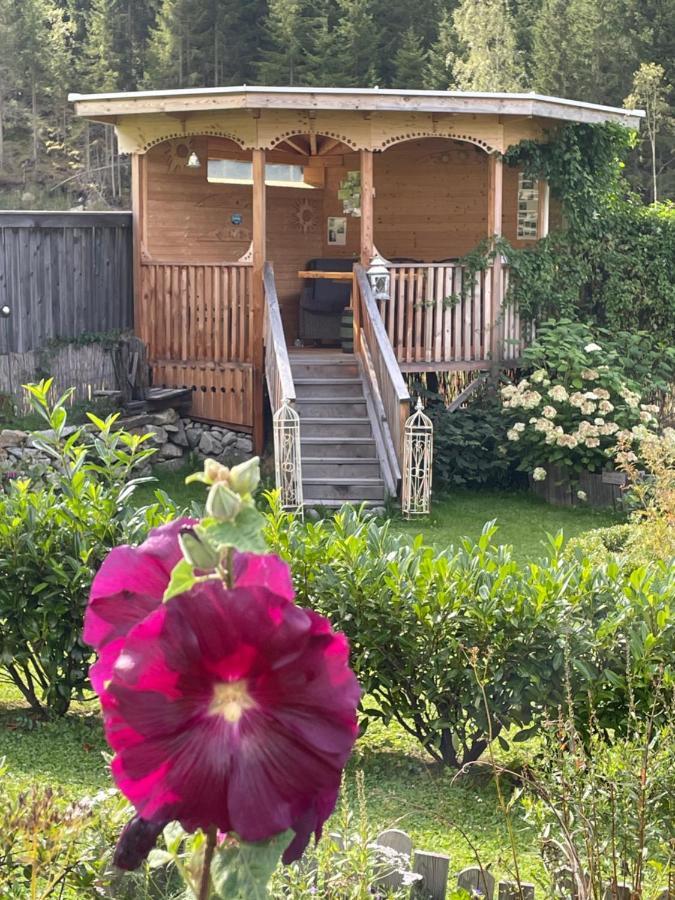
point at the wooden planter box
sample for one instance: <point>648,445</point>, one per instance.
<point>603,489</point>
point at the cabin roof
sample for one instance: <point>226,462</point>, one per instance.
<point>188,100</point>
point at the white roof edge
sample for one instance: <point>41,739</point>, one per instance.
<point>358,92</point>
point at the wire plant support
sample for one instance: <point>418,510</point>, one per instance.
<point>287,461</point>
<point>418,454</point>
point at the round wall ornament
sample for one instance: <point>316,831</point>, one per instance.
<point>305,216</point>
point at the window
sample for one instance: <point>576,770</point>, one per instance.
<point>528,208</point>
<point>233,171</point>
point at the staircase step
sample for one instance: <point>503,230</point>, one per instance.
<point>342,447</point>
<point>345,489</point>
<point>328,369</point>
<point>316,388</point>
<point>336,427</point>
<point>331,407</point>
<point>335,467</point>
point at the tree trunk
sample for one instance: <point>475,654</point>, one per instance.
<point>2,128</point>
<point>34,117</point>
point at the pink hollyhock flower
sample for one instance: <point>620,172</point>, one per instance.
<point>226,707</point>
<point>131,583</point>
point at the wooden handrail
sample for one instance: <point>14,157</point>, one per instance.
<point>277,363</point>
<point>381,368</point>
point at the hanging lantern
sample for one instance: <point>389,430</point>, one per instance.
<point>193,161</point>
<point>287,462</point>
<point>418,457</point>
<point>378,276</point>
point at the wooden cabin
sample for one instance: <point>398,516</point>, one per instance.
<point>257,212</point>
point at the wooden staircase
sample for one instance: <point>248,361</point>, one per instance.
<point>340,463</point>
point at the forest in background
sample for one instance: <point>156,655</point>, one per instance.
<point>604,51</point>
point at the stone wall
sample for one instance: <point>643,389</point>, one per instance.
<point>175,437</point>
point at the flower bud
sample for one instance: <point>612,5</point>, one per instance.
<point>215,471</point>
<point>198,552</point>
<point>222,503</point>
<point>138,838</point>
<point>244,478</point>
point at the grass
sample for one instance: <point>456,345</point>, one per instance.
<point>403,789</point>
<point>442,812</point>
<point>523,520</point>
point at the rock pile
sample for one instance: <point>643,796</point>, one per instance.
<point>174,437</point>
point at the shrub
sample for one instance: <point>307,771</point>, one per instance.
<point>576,405</point>
<point>427,629</point>
<point>415,617</point>
<point>469,444</point>
<point>54,533</point>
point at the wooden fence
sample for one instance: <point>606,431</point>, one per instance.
<point>63,274</point>
<point>197,320</point>
<point>435,878</point>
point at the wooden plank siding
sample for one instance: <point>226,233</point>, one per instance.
<point>197,322</point>
<point>63,275</point>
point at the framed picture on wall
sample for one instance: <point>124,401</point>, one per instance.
<point>337,231</point>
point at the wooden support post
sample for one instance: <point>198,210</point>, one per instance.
<point>543,194</point>
<point>258,299</point>
<point>495,183</point>
<point>138,216</point>
<point>367,204</point>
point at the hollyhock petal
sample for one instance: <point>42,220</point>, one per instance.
<point>233,708</point>
<point>310,822</point>
<point>131,583</point>
<point>263,571</point>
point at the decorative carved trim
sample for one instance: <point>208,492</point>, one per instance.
<point>320,132</point>
<point>414,135</point>
<point>248,256</point>
<point>202,131</point>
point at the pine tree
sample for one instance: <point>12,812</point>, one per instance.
<point>438,72</point>
<point>179,45</point>
<point>356,43</point>
<point>409,62</point>
<point>7,73</point>
<point>490,59</point>
<point>289,35</point>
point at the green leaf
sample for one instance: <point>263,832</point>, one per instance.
<point>182,579</point>
<point>243,872</point>
<point>244,533</point>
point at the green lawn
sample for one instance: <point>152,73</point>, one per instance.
<point>442,812</point>
<point>523,520</point>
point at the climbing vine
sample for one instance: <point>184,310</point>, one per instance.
<point>611,262</point>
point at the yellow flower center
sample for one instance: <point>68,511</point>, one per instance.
<point>230,700</point>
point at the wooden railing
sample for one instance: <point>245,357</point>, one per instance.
<point>197,322</point>
<point>389,394</point>
<point>434,315</point>
<point>277,364</point>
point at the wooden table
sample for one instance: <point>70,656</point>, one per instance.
<point>333,276</point>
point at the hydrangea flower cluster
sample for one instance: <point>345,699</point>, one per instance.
<point>229,708</point>
<point>575,417</point>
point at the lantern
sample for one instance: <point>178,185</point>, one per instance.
<point>378,276</point>
<point>287,460</point>
<point>418,457</point>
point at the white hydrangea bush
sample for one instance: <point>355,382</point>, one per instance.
<point>579,417</point>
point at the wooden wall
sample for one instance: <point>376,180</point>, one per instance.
<point>430,204</point>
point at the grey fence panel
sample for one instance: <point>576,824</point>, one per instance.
<point>63,275</point>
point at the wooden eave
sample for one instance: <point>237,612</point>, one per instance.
<point>105,107</point>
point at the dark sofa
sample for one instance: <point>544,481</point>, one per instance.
<point>322,301</point>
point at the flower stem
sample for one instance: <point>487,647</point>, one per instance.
<point>205,884</point>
